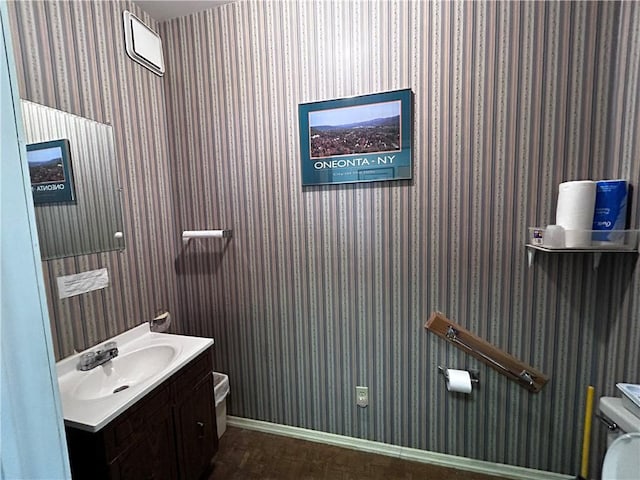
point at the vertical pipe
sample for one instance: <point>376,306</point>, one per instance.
<point>586,439</point>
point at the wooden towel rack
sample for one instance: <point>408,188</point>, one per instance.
<point>523,374</point>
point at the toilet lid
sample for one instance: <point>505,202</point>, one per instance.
<point>622,461</point>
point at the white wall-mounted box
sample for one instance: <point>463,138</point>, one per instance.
<point>143,45</point>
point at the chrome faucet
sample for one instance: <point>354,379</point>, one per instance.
<point>95,358</point>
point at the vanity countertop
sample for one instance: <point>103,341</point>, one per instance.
<point>91,399</point>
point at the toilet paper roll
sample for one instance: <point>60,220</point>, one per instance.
<point>458,381</point>
<point>574,212</point>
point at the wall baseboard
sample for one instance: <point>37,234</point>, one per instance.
<point>412,454</point>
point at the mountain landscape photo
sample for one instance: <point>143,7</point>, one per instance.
<point>46,172</point>
<point>370,136</point>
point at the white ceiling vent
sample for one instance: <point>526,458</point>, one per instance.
<point>143,44</point>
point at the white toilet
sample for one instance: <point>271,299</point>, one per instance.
<point>622,460</point>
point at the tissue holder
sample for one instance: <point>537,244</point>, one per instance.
<point>475,374</point>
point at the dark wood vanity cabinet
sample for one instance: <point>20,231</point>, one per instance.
<point>196,424</point>
<point>167,435</point>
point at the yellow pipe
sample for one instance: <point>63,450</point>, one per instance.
<point>586,439</point>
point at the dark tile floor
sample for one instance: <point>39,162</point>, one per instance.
<point>247,455</point>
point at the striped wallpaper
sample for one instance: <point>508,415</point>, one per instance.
<point>70,56</point>
<point>90,223</point>
<point>325,288</point>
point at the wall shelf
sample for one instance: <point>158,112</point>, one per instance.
<point>628,244</point>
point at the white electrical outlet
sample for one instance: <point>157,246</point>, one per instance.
<point>362,396</point>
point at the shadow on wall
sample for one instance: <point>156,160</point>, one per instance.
<point>191,261</point>
<point>197,260</point>
<point>615,271</point>
<point>592,320</point>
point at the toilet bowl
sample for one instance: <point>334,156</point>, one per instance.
<point>622,459</point>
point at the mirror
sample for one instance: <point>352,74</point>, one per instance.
<point>92,222</point>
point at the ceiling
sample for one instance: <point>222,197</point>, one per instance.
<point>162,10</point>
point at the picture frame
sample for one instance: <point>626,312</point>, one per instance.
<point>51,172</point>
<point>367,138</point>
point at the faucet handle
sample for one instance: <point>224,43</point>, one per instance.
<point>87,359</point>
<point>109,346</point>
<point>110,350</point>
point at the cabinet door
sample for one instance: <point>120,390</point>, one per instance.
<point>151,457</point>
<point>196,423</point>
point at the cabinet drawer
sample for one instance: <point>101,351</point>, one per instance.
<point>149,456</point>
<point>196,424</point>
<point>192,373</point>
<point>132,425</point>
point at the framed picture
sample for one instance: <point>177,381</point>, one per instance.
<point>358,139</point>
<point>50,171</point>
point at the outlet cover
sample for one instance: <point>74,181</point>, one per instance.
<point>362,396</point>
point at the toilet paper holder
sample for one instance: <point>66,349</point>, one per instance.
<point>474,374</point>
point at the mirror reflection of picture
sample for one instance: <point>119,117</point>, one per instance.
<point>89,223</point>
<point>50,172</point>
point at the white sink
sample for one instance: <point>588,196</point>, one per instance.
<point>124,371</point>
<point>91,399</point>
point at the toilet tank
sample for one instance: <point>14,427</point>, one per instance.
<point>614,410</point>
